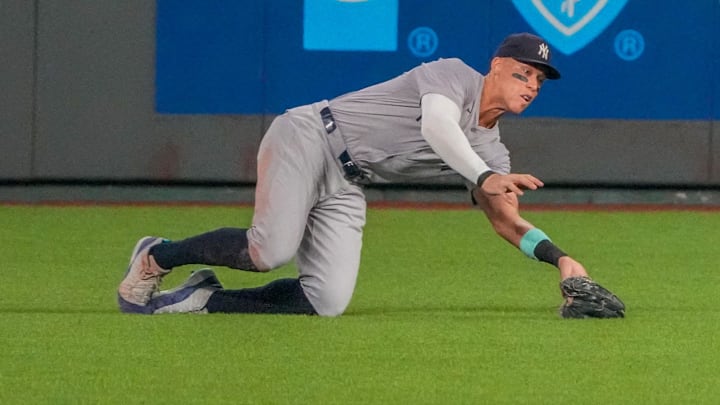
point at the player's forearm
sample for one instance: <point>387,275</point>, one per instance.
<point>530,240</point>
<point>511,228</point>
<point>504,215</point>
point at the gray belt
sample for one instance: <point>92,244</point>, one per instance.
<point>351,169</point>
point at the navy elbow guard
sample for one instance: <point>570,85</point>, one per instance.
<point>536,245</point>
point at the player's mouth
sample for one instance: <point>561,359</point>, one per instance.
<point>527,98</point>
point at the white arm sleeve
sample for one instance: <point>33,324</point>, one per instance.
<point>440,128</point>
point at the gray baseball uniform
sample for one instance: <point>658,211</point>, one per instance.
<point>309,201</point>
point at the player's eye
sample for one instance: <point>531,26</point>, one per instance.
<point>520,77</point>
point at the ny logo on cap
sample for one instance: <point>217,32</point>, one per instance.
<point>569,24</point>
<point>543,51</point>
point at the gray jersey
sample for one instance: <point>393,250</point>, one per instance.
<point>381,124</point>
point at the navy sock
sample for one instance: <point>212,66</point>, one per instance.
<point>223,247</point>
<point>283,296</point>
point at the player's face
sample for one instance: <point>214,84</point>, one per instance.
<point>521,84</point>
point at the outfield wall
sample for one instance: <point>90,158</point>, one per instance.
<point>82,98</point>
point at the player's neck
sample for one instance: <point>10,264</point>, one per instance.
<point>491,108</point>
<point>489,118</point>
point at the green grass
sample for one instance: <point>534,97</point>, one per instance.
<point>444,312</point>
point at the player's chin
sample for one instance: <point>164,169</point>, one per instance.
<point>518,108</point>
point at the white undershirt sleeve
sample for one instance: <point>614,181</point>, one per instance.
<point>441,129</point>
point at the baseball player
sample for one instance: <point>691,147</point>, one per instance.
<point>438,120</point>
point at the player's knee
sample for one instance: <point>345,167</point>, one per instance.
<point>268,259</point>
<point>331,308</point>
<point>262,270</point>
<point>328,302</point>
<point>331,312</point>
<point>267,254</point>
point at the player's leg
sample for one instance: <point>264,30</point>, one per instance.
<point>292,168</point>
<point>328,260</point>
<point>283,198</point>
<point>154,257</point>
<point>289,163</point>
<point>329,256</point>
<point>282,296</point>
<point>222,247</point>
<point>292,176</point>
<point>202,292</point>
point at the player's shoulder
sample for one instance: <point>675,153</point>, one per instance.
<point>449,63</point>
<point>450,68</point>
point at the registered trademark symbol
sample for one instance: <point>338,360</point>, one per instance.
<point>423,41</point>
<point>629,45</point>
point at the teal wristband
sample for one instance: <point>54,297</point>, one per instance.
<point>530,240</point>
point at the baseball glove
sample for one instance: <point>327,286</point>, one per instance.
<point>585,298</point>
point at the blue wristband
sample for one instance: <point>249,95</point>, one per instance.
<point>530,240</point>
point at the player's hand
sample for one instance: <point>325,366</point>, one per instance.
<point>569,267</point>
<point>497,184</point>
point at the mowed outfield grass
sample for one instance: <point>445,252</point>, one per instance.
<point>444,312</point>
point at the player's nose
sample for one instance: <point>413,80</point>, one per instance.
<point>534,84</point>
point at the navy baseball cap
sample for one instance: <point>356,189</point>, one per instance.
<point>530,49</point>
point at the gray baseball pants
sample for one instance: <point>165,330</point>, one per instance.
<point>306,209</point>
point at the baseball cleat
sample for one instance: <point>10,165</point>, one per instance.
<point>142,278</point>
<point>190,297</point>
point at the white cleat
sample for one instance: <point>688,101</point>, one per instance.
<point>142,278</point>
<point>190,297</point>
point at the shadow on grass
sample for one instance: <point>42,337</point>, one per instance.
<point>471,311</point>
<point>521,311</point>
<point>514,311</point>
<point>466,311</point>
<point>12,310</point>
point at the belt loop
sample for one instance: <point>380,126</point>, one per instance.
<point>351,169</point>
<point>328,120</point>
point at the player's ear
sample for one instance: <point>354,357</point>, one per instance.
<point>496,65</point>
